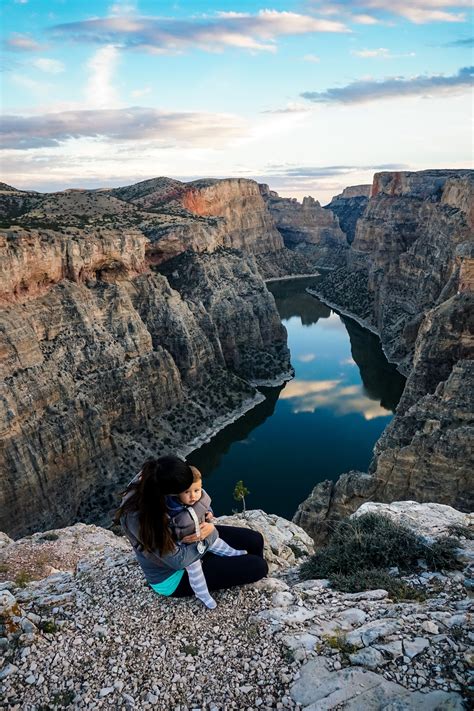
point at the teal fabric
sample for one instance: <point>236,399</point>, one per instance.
<point>168,586</point>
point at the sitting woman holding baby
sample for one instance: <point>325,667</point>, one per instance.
<point>167,518</point>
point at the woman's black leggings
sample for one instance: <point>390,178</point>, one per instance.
<point>224,572</point>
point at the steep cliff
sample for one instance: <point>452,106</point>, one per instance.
<point>412,279</point>
<point>307,227</point>
<point>170,216</point>
<point>349,206</point>
<point>404,257</point>
<point>105,361</point>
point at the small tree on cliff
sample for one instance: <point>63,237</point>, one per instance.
<point>240,492</point>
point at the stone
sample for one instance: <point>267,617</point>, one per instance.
<point>7,670</point>
<point>368,657</point>
<point>304,640</point>
<point>280,536</point>
<point>430,627</point>
<point>106,690</point>
<point>282,599</point>
<point>352,616</point>
<point>412,648</point>
<point>319,689</point>
<point>372,631</point>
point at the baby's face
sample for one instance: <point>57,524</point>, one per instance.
<point>191,495</point>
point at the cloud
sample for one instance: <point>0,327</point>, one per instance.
<point>291,108</point>
<point>18,42</point>
<point>311,58</point>
<point>50,66</point>
<point>126,124</point>
<point>465,42</point>
<point>328,170</point>
<point>161,35</point>
<point>380,53</point>
<point>416,11</point>
<point>99,92</point>
<point>363,91</point>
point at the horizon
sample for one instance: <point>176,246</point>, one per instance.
<point>307,96</point>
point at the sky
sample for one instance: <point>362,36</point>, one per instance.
<point>308,96</point>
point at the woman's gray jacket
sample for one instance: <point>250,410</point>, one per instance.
<point>156,567</point>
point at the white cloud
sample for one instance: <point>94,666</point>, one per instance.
<point>160,35</point>
<point>126,124</point>
<point>50,66</point>
<point>311,58</point>
<point>100,93</point>
<point>380,53</point>
<point>416,11</point>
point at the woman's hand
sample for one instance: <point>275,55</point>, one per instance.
<point>206,530</point>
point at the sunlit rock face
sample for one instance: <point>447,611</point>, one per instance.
<point>105,362</point>
<point>307,227</point>
<point>412,279</point>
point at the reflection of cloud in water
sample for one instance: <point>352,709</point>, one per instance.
<point>332,323</point>
<point>306,357</point>
<point>308,395</point>
<point>347,361</point>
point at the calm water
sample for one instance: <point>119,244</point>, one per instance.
<point>322,423</point>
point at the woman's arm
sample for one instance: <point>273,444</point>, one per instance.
<point>206,530</point>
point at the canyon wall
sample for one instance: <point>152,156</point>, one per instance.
<point>307,227</point>
<point>348,206</point>
<point>410,276</point>
<point>106,360</point>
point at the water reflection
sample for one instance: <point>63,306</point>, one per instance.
<point>323,422</point>
<point>380,379</point>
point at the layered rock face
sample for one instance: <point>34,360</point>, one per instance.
<point>349,206</point>
<point>307,227</point>
<point>406,254</point>
<point>169,215</point>
<point>106,362</point>
<point>413,281</point>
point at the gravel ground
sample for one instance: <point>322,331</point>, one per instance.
<point>119,645</point>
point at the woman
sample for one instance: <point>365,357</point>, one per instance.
<point>144,519</point>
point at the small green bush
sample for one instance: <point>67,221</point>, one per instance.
<point>362,549</point>
<point>49,537</point>
<point>441,555</point>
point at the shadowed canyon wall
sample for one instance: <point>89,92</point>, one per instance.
<point>409,275</point>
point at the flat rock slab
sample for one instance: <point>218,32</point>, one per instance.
<point>372,631</point>
<point>320,689</point>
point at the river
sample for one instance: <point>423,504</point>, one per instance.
<point>320,424</point>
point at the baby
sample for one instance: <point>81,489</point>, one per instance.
<point>186,512</point>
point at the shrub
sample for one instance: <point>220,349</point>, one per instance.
<point>373,579</point>
<point>49,537</point>
<point>362,549</point>
<point>369,541</point>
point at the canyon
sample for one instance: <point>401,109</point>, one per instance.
<point>136,321</point>
<point>409,277</point>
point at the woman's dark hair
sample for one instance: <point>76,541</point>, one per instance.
<point>159,477</point>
